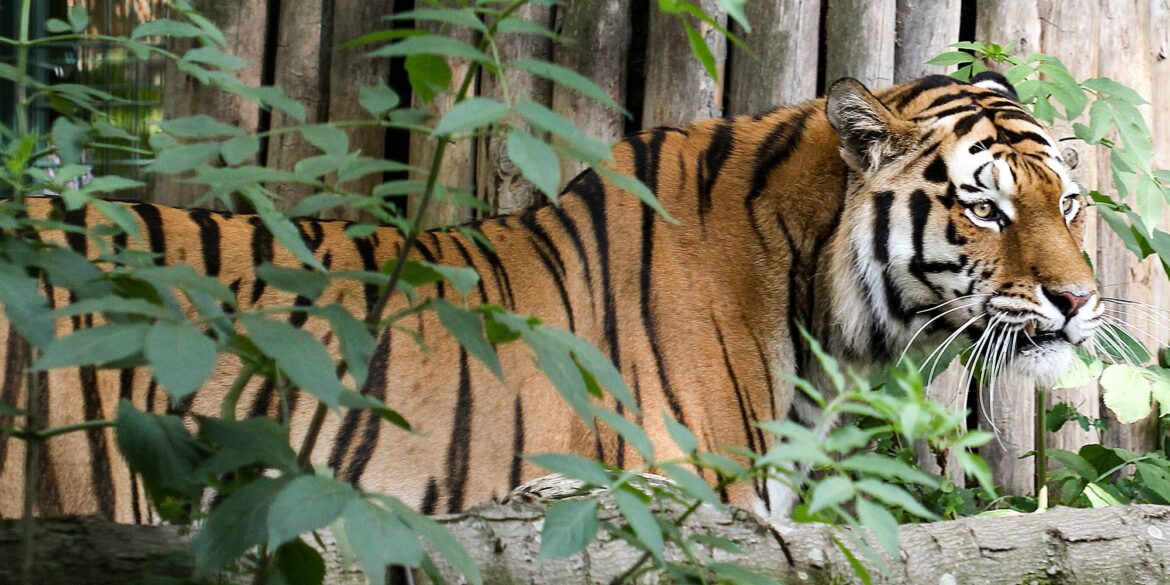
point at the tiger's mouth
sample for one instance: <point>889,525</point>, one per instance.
<point>1030,338</point>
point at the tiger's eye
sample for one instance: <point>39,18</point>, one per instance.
<point>1066,204</point>
<point>983,210</point>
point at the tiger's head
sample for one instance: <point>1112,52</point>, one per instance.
<point>961,220</point>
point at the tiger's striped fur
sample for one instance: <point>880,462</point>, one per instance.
<point>853,219</point>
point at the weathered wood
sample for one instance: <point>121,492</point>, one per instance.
<point>498,182</point>
<point>298,71</point>
<point>1009,22</point>
<point>925,28</point>
<point>777,68</point>
<point>1125,544</point>
<point>1125,29</point>
<point>1068,31</point>
<point>243,25</point>
<point>859,41</point>
<point>678,90</point>
<point>458,166</point>
<point>592,27</point>
<point>349,70</point>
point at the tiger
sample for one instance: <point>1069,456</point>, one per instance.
<point>871,220</point>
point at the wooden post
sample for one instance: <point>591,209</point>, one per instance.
<point>349,70</point>
<point>298,71</point>
<point>593,27</point>
<point>243,25</point>
<point>1007,408</point>
<point>678,90</point>
<point>458,169</point>
<point>925,28</point>
<point>859,41</point>
<point>498,181</point>
<point>777,71</point>
<point>1125,29</point>
<point>1068,31</point>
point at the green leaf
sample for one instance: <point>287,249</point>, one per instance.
<point>24,305</point>
<point>199,126</point>
<point>238,523</point>
<point>246,442</point>
<point>429,75</point>
<point>569,525</point>
<point>546,120</point>
<point>830,493</point>
<point>282,228</point>
<point>379,99</point>
<point>467,327</point>
<point>888,468</point>
<point>596,363</point>
<point>1099,497</point>
<point>177,159</point>
<point>440,539</point>
<point>357,345</point>
<point>881,523</point>
<point>893,495</point>
<point>950,58</point>
<point>298,354</point>
<point>462,278</point>
<point>682,436</point>
<point>637,188</point>
<point>465,17</point>
<point>181,357</point>
<point>1155,479</point>
<point>431,45</point>
<point>110,184</point>
<point>307,503</point>
<point>701,50</point>
<point>733,573</point>
<point>69,138</point>
<point>691,483</point>
<point>209,55</point>
<point>328,139</point>
<point>378,538</point>
<point>632,433</point>
<point>78,18</point>
<point>297,563</point>
<point>638,516</point>
<point>274,97</point>
<point>95,345</point>
<point>1126,391</point>
<point>470,114</point>
<point>573,466</point>
<point>570,79</point>
<point>1074,463</point>
<point>536,160</point>
<point>974,465</point>
<point>56,26</point>
<point>165,27</point>
<point>306,283</point>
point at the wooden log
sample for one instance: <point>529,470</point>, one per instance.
<point>498,182</point>
<point>593,27</point>
<point>1014,22</point>
<point>776,70</point>
<point>458,166</point>
<point>1068,31</point>
<point>298,71</point>
<point>1125,34</point>
<point>349,70</point>
<point>925,28</point>
<point>243,25</point>
<point>859,41</point>
<point>678,90</point>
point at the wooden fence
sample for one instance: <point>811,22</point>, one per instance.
<point>642,59</point>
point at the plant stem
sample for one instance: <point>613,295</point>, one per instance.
<point>227,410</point>
<point>65,429</point>
<point>1040,443</point>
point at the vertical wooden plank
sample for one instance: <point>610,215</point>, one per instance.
<point>1068,31</point>
<point>593,27</point>
<point>458,168</point>
<point>859,41</point>
<point>925,28</point>
<point>498,181</point>
<point>1125,35</point>
<point>298,71</point>
<point>678,90</point>
<point>349,70</point>
<point>777,70</point>
<point>1007,409</point>
<point>243,25</point>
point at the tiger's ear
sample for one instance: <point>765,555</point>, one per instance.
<point>871,135</point>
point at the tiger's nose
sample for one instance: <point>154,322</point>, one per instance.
<point>1068,303</point>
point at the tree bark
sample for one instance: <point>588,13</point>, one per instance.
<point>593,27</point>
<point>925,29</point>
<point>498,182</point>
<point>859,41</point>
<point>1124,544</point>
<point>776,70</point>
<point>243,25</point>
<point>678,90</point>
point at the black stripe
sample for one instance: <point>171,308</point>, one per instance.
<point>779,145</point>
<point>430,498</point>
<point>261,253</point>
<point>767,369</point>
<point>922,86</point>
<point>882,203</point>
<point>795,318</point>
<point>209,240</point>
<point>14,365</point>
<point>48,496</point>
<point>717,152</point>
<point>440,286</point>
<point>375,386</point>
<point>156,236</point>
<point>517,442</point>
<point>936,171</point>
<point>263,400</point>
<point>568,226</point>
<point>365,249</point>
<point>459,444</point>
<point>101,472</point>
<point>591,190</point>
<point>77,240</point>
<point>466,255</point>
<point>551,259</point>
<point>966,124</point>
<point>739,397</point>
<point>503,283</point>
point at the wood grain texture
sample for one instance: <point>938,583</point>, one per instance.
<point>592,27</point>
<point>778,68</point>
<point>859,41</point>
<point>678,90</point>
<point>498,181</point>
<point>925,28</point>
